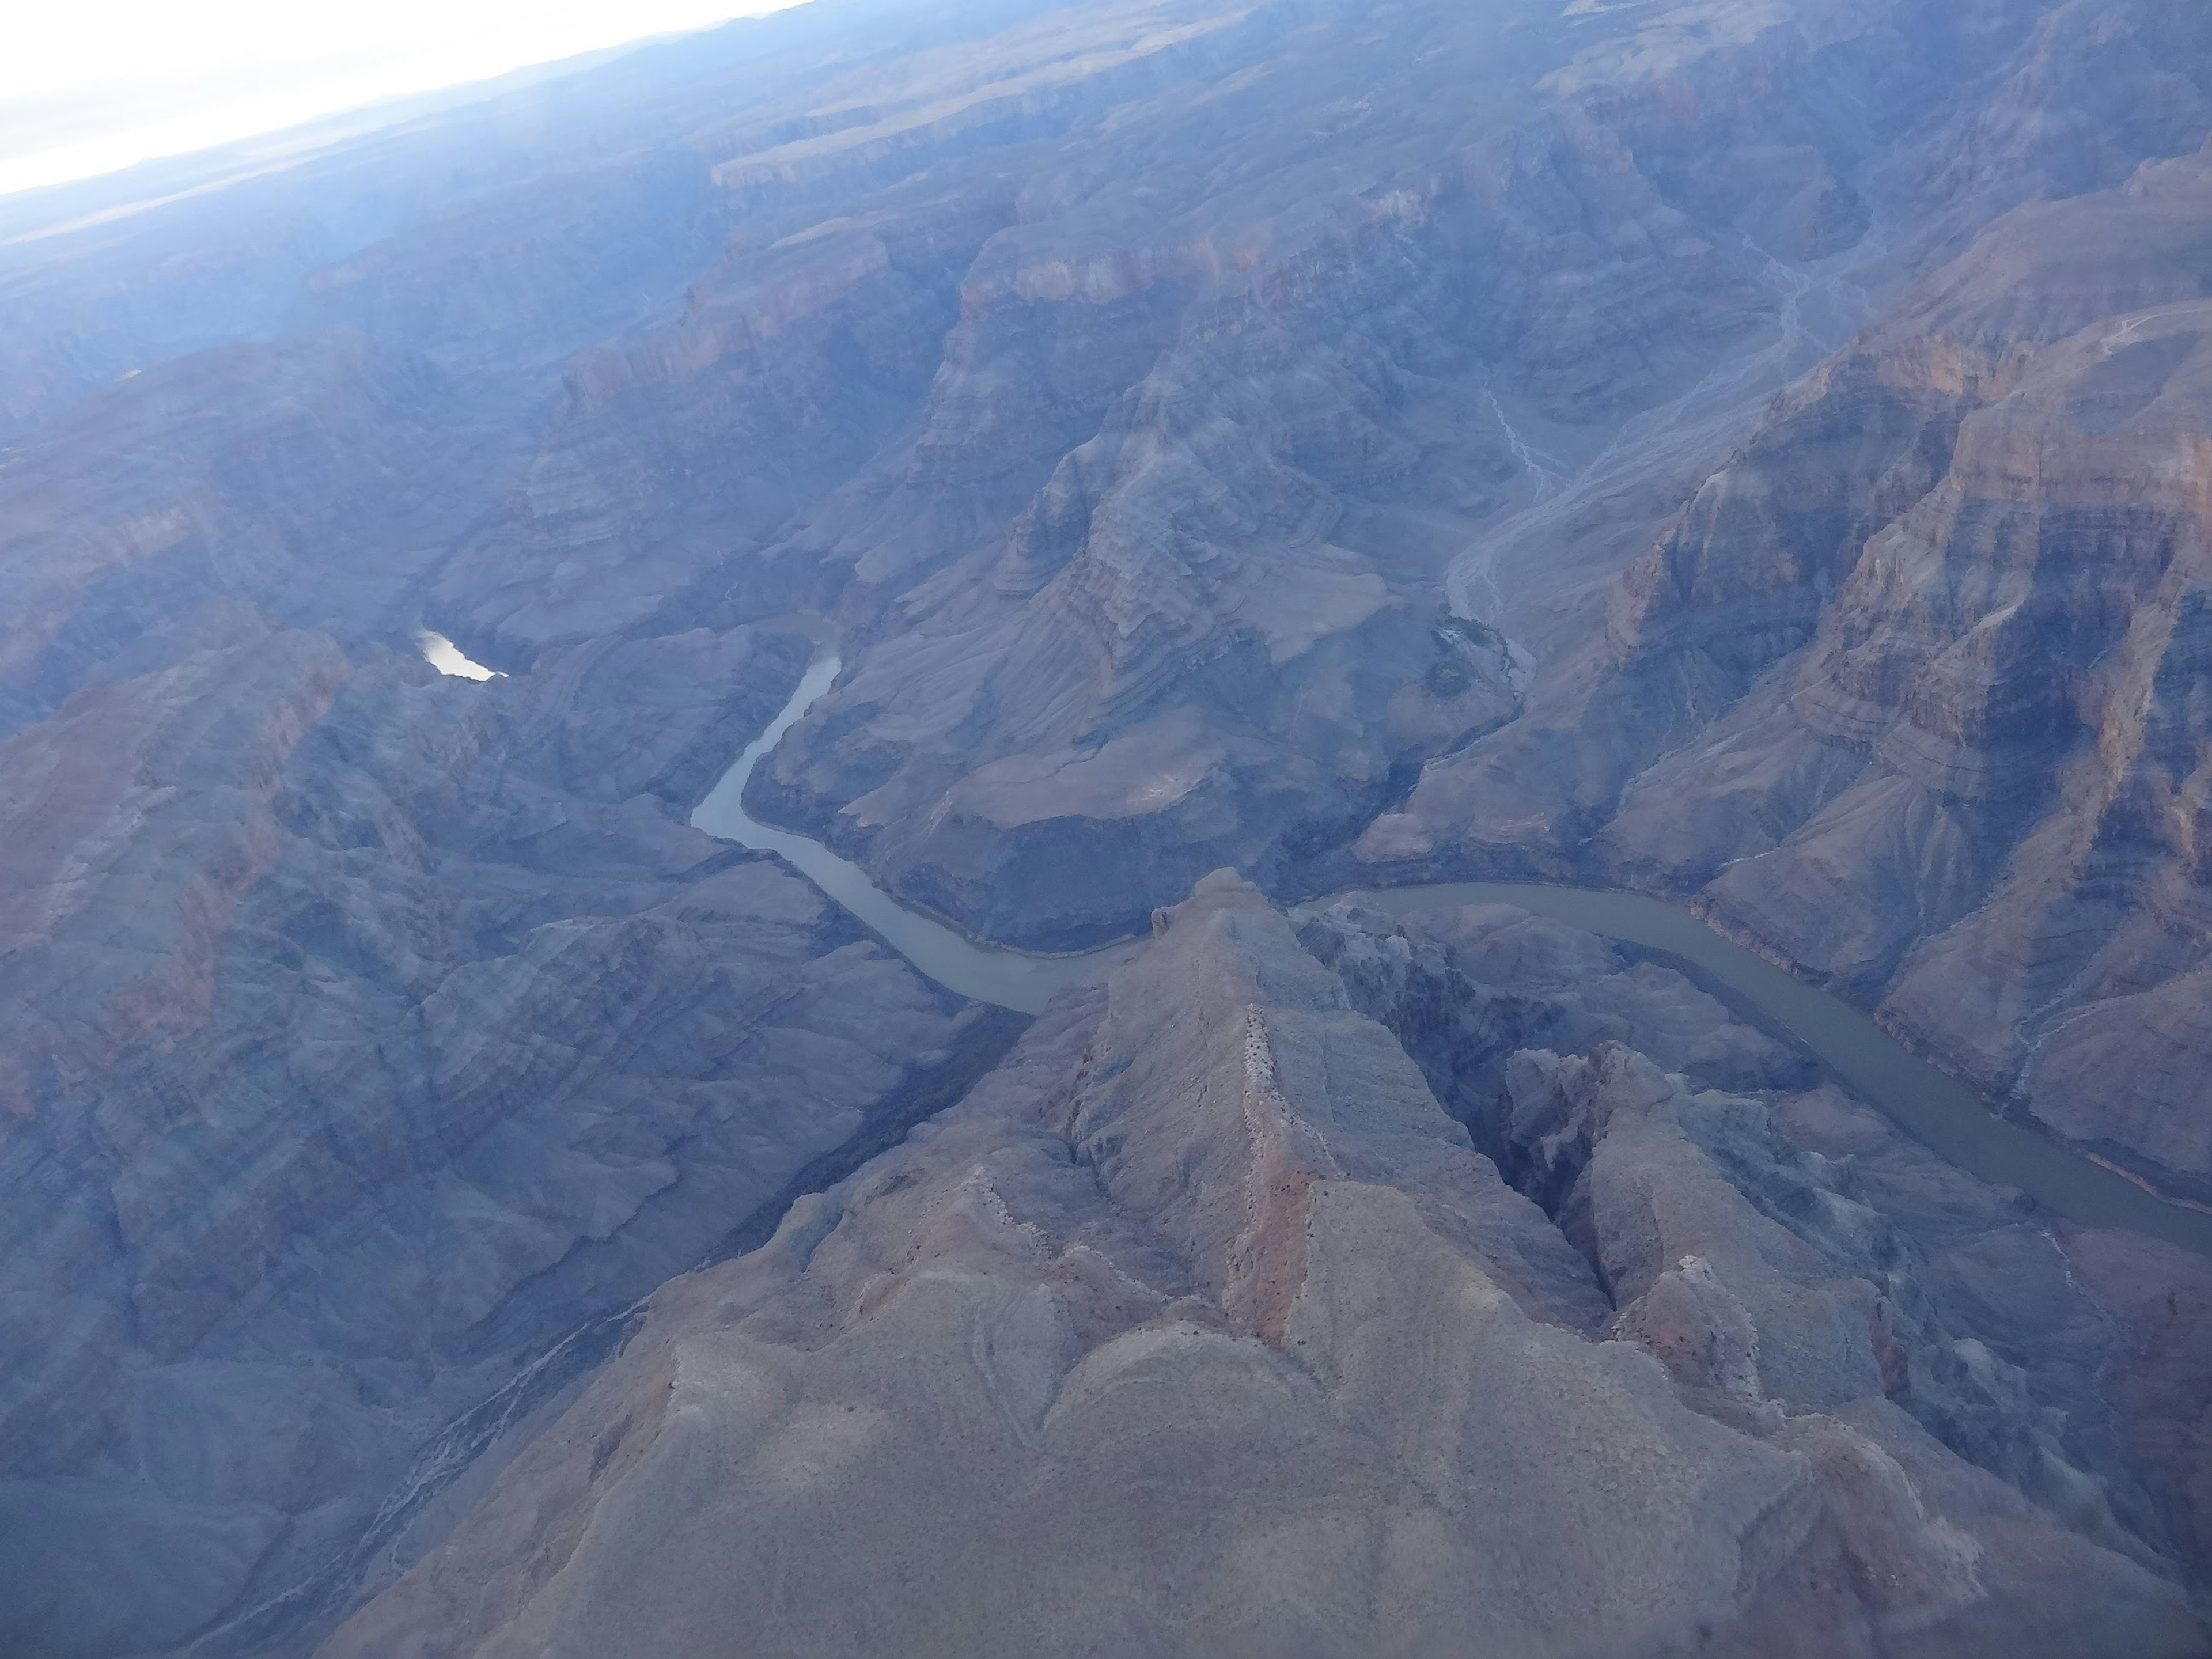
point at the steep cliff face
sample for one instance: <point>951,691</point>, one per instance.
<point>1208,1237</point>
<point>1338,441</point>
<point>1141,383</point>
<point>1911,694</point>
<point>370,1038</point>
<point>1197,619</point>
<point>316,477</point>
<point>2060,1358</point>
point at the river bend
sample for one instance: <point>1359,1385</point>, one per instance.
<point>1926,1102</point>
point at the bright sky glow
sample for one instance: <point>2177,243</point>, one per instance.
<point>90,86</point>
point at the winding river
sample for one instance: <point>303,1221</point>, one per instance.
<point>1930,1104</point>
<point>989,973</point>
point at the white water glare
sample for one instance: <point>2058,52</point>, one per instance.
<point>442,654</point>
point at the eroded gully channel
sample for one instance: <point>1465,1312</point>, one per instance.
<point>1935,1108</point>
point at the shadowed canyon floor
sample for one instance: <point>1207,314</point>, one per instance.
<point>1748,452</point>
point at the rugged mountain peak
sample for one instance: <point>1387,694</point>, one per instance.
<point>1232,1085</point>
<point>1208,1236</point>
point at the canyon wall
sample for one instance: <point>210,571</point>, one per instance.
<point>1753,449</point>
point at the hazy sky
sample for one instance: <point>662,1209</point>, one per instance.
<point>88,86</point>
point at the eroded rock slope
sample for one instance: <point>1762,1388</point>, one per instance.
<point>1201,1327</point>
<point>1913,693</point>
<point>368,1037</point>
<point>1213,432</point>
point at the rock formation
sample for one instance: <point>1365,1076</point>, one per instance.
<point>1911,694</point>
<point>370,1039</point>
<point>1753,450</point>
<point>1200,1328</point>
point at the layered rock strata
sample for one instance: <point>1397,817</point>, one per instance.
<point>1181,600</point>
<point>371,1039</point>
<point>2028,1348</point>
<point>1155,391</point>
<point>1200,1328</point>
<point>1911,695</point>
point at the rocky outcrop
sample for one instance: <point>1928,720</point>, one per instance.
<point>1907,693</point>
<point>1142,488</point>
<point>307,477</point>
<point>372,1039</point>
<point>1151,395</point>
<point>1207,1237</point>
<point>1194,619</point>
<point>2055,1358</point>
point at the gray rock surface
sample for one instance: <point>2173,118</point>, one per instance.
<point>1151,396</point>
<point>1911,694</point>
<point>1200,1327</point>
<point>371,1039</point>
<point>1858,1264</point>
<point>1189,615</point>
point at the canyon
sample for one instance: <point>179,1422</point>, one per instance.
<point>1136,494</point>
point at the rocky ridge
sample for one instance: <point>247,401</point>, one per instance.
<point>1908,697</point>
<point>1208,1235</point>
<point>369,1034</point>
<point>1216,431</point>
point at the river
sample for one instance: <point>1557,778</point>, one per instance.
<point>1927,1102</point>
